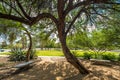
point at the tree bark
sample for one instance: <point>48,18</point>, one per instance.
<point>69,56</point>
<point>30,46</point>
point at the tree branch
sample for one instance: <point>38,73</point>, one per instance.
<point>13,8</point>
<point>88,2</point>
<point>23,11</point>
<point>82,3</point>
<point>69,6</point>
<point>74,19</point>
<point>12,17</point>
<point>44,15</point>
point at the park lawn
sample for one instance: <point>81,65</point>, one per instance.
<point>4,53</point>
<point>49,53</point>
<point>78,53</point>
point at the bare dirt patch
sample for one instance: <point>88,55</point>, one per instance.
<point>61,69</point>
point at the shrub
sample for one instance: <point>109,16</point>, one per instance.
<point>97,55</point>
<point>109,56</point>
<point>87,55</point>
<point>17,54</point>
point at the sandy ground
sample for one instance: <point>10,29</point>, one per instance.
<point>59,69</point>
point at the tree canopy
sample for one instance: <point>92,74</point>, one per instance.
<point>31,11</point>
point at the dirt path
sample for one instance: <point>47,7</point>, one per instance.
<point>52,69</point>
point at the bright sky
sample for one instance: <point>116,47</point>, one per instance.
<point>1,40</point>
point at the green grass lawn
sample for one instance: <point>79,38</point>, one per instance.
<point>49,53</point>
<point>42,53</point>
<point>78,53</point>
<point>4,53</point>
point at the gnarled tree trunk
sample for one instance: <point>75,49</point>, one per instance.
<point>30,45</point>
<point>69,56</point>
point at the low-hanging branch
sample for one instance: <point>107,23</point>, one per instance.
<point>44,15</point>
<point>15,18</point>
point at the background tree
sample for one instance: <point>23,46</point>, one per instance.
<point>112,29</point>
<point>3,45</point>
<point>23,41</point>
<point>43,33</point>
<point>9,31</point>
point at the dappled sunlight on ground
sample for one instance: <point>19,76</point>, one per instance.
<point>62,70</point>
<point>47,71</point>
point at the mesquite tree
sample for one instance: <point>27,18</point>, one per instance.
<point>59,11</point>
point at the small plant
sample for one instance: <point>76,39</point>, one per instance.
<point>17,54</point>
<point>87,55</point>
<point>109,56</point>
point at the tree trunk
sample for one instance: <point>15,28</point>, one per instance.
<point>30,46</point>
<point>70,57</point>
